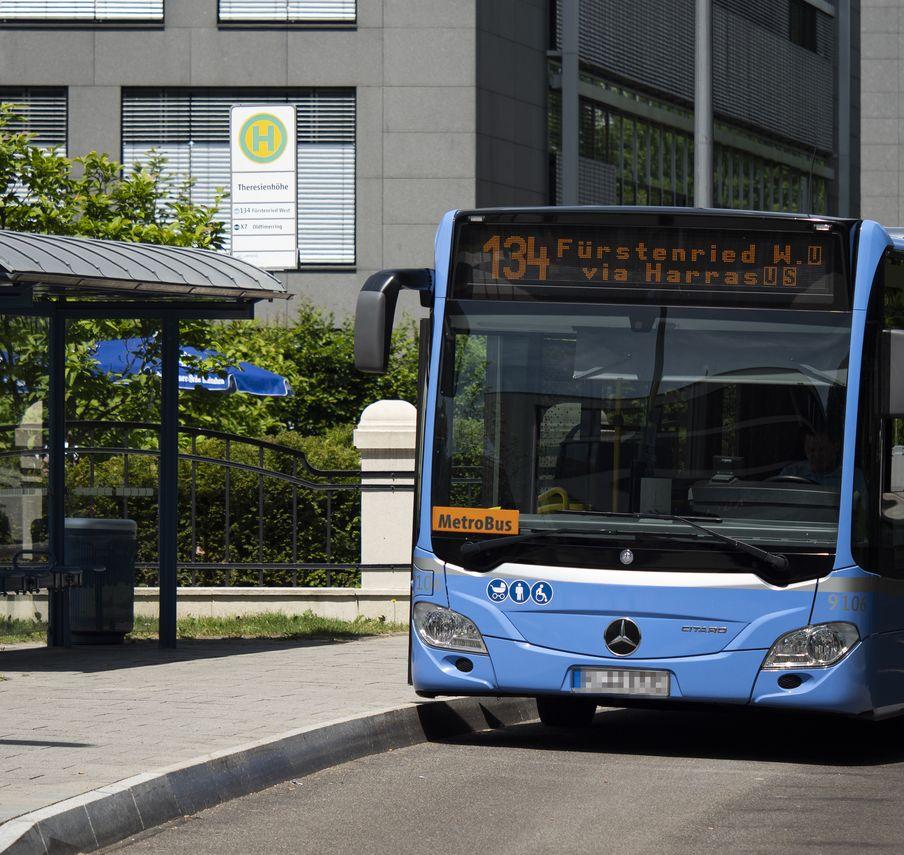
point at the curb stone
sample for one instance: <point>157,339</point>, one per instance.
<point>112,813</point>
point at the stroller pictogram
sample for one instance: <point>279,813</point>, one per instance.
<point>497,590</point>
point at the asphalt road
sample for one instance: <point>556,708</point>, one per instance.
<point>637,781</point>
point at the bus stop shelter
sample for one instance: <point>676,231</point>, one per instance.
<point>61,278</point>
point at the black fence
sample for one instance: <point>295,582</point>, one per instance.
<point>251,511</point>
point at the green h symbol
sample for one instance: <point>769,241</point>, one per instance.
<point>257,138</point>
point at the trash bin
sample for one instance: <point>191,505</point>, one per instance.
<point>102,611</point>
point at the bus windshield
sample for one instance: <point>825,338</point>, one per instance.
<point>576,415</point>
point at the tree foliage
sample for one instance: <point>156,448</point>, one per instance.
<point>43,191</point>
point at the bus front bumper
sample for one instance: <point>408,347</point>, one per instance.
<point>733,677</point>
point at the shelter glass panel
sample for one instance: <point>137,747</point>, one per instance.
<point>24,387</point>
<point>112,470</point>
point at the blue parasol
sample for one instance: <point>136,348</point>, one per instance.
<point>125,356</point>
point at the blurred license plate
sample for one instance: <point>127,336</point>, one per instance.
<point>620,681</point>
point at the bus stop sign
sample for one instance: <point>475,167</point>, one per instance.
<point>264,185</point>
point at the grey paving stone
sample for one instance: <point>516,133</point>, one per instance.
<point>75,720</point>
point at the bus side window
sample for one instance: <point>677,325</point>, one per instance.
<point>891,510</point>
<point>877,522</point>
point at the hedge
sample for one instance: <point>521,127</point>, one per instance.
<point>333,450</point>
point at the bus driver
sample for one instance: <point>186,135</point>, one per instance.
<point>823,460</point>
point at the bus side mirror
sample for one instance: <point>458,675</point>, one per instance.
<point>375,310</point>
<point>892,373</point>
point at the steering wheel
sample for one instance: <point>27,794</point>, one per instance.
<point>792,479</point>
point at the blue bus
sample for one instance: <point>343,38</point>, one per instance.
<point>660,459</point>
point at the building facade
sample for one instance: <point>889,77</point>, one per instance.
<point>407,108</point>
<point>782,71</point>
<point>389,97</point>
<point>882,111</point>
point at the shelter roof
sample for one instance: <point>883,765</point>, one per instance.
<point>79,266</point>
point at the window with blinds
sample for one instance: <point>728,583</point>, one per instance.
<point>81,10</point>
<point>289,11</point>
<point>44,113</point>
<point>191,129</point>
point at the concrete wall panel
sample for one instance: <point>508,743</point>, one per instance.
<point>408,246</point>
<point>528,18</point>
<point>190,13</point>
<point>238,57</point>
<point>879,75</point>
<point>369,133</point>
<point>882,209</point>
<point>370,14</point>
<point>435,109</point>
<point>335,57</point>
<point>511,103</point>
<point>94,120</point>
<point>333,292</point>
<point>876,183</point>
<point>428,57</point>
<point>134,57</point>
<point>879,17</point>
<point>503,194</point>
<point>882,111</point>
<point>882,131</point>
<point>878,105</point>
<point>513,121</point>
<point>369,223</point>
<point>880,45</point>
<point>429,14</point>
<point>529,73</point>
<point>45,58</point>
<point>495,58</point>
<point>880,157</point>
<point>424,200</point>
<point>428,155</point>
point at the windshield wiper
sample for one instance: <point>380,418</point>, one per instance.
<point>773,559</point>
<point>475,547</point>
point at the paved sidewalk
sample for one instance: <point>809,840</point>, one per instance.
<point>74,720</point>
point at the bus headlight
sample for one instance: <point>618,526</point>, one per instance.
<point>441,627</point>
<point>816,646</point>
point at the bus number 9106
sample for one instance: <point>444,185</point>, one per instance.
<point>847,603</point>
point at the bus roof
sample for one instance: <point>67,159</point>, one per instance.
<point>659,210</point>
<point>896,233</point>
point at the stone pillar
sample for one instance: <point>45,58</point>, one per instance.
<point>385,439</point>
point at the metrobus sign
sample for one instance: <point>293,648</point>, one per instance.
<point>264,194</point>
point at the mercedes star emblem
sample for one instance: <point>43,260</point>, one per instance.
<point>622,637</point>
<point>626,557</point>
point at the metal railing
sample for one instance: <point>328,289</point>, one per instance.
<point>306,520</point>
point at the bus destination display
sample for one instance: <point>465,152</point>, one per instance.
<point>644,258</point>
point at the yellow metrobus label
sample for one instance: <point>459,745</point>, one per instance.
<point>475,520</point>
